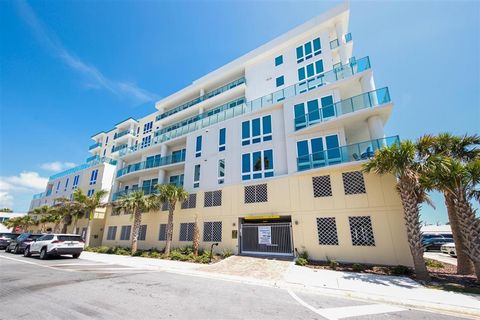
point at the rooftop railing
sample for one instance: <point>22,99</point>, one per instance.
<point>84,166</point>
<point>95,145</point>
<point>146,191</point>
<point>206,96</point>
<point>153,163</point>
<point>122,133</point>
<point>339,73</point>
<point>362,101</point>
<point>353,152</point>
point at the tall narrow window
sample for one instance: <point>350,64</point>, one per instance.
<point>221,171</point>
<point>222,134</point>
<point>257,165</point>
<point>278,60</point>
<point>66,184</point>
<point>146,141</point>
<point>196,176</point>
<point>198,147</point>
<point>76,180</point>
<point>93,176</point>
<point>147,127</point>
<point>280,81</point>
<point>142,233</point>
<point>261,129</point>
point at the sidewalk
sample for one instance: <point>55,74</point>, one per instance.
<point>283,274</point>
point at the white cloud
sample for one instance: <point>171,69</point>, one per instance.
<point>6,200</point>
<point>95,78</point>
<point>57,166</point>
<point>27,181</point>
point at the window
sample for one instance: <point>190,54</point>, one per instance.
<point>90,192</point>
<point>149,185</point>
<point>186,231</point>
<point>310,70</point>
<point>317,110</point>
<point>322,186</point>
<point>361,231</point>
<point>58,185</point>
<point>280,81</point>
<point>212,231</point>
<point>257,193</point>
<point>66,184</point>
<point>142,233</point>
<point>76,180</point>
<point>221,171</point>
<point>308,50</point>
<point>222,133</point>
<point>177,180</point>
<point>165,206</point>
<point>278,60</point>
<point>191,201</point>
<point>147,127</point>
<point>196,176</point>
<point>327,231</point>
<point>257,165</point>
<point>198,147</point>
<point>93,177</point>
<point>162,235</point>
<point>146,141</point>
<point>353,182</point>
<point>111,233</point>
<point>256,130</point>
<point>212,199</point>
<point>125,232</point>
<point>318,152</point>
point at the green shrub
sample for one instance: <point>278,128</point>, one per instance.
<point>138,253</point>
<point>301,261</point>
<point>146,254</point>
<point>186,250</point>
<point>155,254</point>
<point>400,270</point>
<point>433,263</point>
<point>226,253</point>
<point>333,264</point>
<point>176,255</point>
<point>303,255</point>
<point>110,250</point>
<point>357,267</point>
<point>122,251</point>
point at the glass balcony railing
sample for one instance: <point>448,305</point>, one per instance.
<point>84,166</point>
<point>348,37</point>
<point>334,44</point>
<point>96,145</point>
<point>120,147</point>
<point>146,190</point>
<point>38,195</point>
<point>123,133</point>
<point>153,163</point>
<point>354,152</point>
<point>206,96</point>
<point>362,101</point>
<point>339,73</point>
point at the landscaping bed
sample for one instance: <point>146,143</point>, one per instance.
<point>178,254</point>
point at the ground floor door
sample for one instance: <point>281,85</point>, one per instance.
<point>266,238</point>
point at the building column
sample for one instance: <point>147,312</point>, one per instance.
<point>368,84</point>
<point>375,127</point>
<point>161,176</point>
<point>163,150</point>
<point>341,42</point>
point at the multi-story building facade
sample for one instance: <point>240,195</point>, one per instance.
<point>270,148</point>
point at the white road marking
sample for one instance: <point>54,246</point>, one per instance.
<point>34,263</point>
<point>78,264</point>
<point>345,312</point>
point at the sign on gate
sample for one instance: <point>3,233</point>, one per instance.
<point>265,235</point>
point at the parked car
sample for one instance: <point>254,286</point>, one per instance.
<point>434,243</point>
<point>56,245</point>
<point>6,238</point>
<point>449,248</point>
<point>20,243</point>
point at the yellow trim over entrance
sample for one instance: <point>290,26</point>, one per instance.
<point>261,217</point>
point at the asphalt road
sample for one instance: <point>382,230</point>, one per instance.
<point>80,289</point>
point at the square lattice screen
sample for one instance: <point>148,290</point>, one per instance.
<point>361,231</point>
<point>353,182</point>
<point>322,186</point>
<point>327,231</point>
<point>212,231</point>
<point>257,193</point>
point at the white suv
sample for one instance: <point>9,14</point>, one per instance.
<point>55,245</point>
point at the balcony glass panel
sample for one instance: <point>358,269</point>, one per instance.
<point>84,166</point>
<point>175,157</point>
<point>96,145</point>
<point>334,44</point>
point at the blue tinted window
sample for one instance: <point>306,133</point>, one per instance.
<point>308,48</point>
<point>328,110</point>
<point>255,127</point>
<point>221,136</point>
<point>245,129</point>
<point>317,145</point>
<point>313,111</point>
<point>267,124</point>
<point>302,148</point>
<point>319,66</point>
<point>301,74</point>
<point>332,146</point>
<point>268,159</point>
<point>310,70</point>
<point>280,81</point>
<point>299,52</point>
<point>300,118</point>
<point>278,60</point>
<point>246,163</point>
<point>257,161</point>
<point>316,44</point>
<point>199,144</point>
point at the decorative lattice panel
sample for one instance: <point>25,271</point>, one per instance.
<point>162,236</point>
<point>213,198</point>
<point>165,206</point>
<point>212,231</point>
<point>327,231</point>
<point>322,186</point>
<point>257,193</point>
<point>191,201</point>
<point>186,231</point>
<point>111,233</point>
<point>353,182</point>
<point>142,233</point>
<point>125,232</point>
<point>361,231</point>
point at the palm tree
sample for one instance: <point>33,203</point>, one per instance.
<point>401,161</point>
<point>55,216</point>
<point>196,236</point>
<point>170,194</point>
<point>88,205</point>
<point>12,223</point>
<point>137,203</point>
<point>72,212</point>
<point>464,149</point>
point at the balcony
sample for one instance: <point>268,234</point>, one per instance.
<point>339,73</point>
<point>120,147</point>
<point>97,161</point>
<point>94,146</point>
<point>334,44</point>
<point>146,190</point>
<point>154,163</point>
<point>206,96</point>
<point>122,134</point>
<point>363,101</point>
<point>354,152</point>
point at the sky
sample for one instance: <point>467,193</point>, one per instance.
<point>69,69</point>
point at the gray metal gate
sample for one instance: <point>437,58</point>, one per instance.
<point>266,239</point>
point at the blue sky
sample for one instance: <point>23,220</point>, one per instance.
<point>69,69</point>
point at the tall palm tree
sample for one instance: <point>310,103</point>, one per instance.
<point>137,203</point>
<point>55,216</point>
<point>72,212</point>
<point>196,236</point>
<point>89,204</point>
<point>170,194</point>
<point>401,161</point>
<point>464,149</point>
